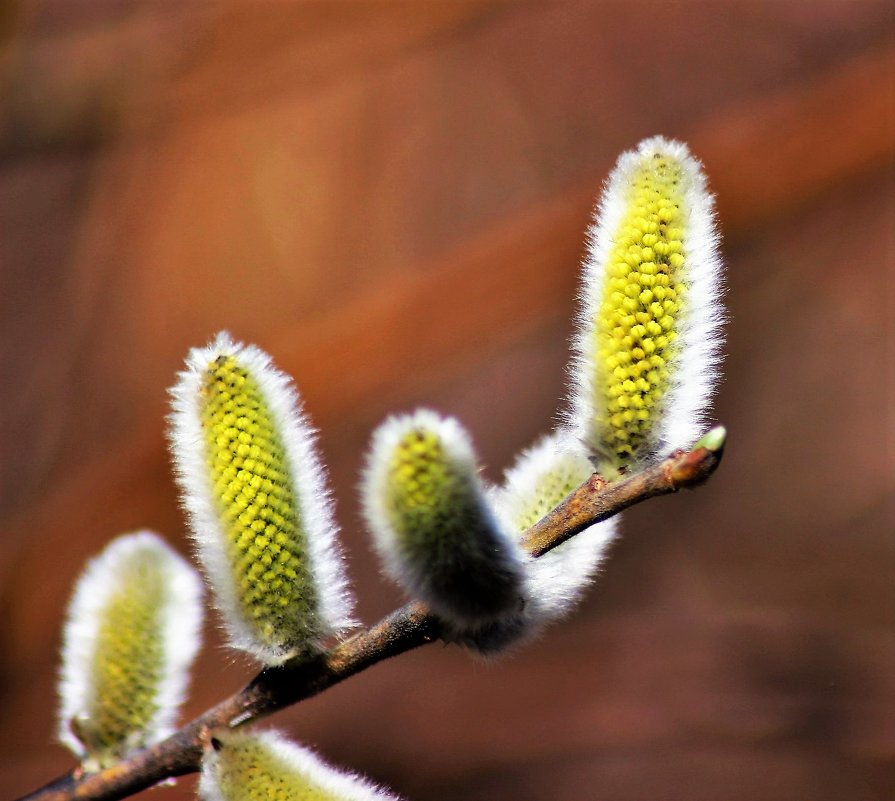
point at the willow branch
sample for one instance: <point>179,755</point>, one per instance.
<point>405,629</point>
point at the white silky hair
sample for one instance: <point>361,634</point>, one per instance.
<point>694,373</point>
<point>559,577</point>
<point>301,762</point>
<point>413,577</point>
<point>555,581</point>
<point>181,624</point>
<point>188,445</point>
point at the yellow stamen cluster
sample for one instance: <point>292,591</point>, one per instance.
<point>257,507</point>
<point>426,491</point>
<point>566,473</point>
<point>433,524</point>
<point>635,328</point>
<point>128,661</point>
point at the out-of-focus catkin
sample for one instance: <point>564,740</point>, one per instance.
<point>432,522</point>
<point>264,766</point>
<point>133,629</point>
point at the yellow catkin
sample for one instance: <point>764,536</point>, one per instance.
<point>636,322</point>
<point>426,493</point>
<point>258,510</point>
<point>266,767</point>
<point>433,524</point>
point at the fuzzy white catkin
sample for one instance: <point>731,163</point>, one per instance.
<point>259,507</point>
<point>538,481</point>
<point>261,766</point>
<point>117,692</point>
<point>433,525</point>
<point>648,341</point>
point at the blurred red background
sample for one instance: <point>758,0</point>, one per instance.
<point>391,198</point>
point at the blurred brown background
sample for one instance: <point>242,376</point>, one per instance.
<point>391,198</point>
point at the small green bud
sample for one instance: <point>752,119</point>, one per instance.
<point>712,440</point>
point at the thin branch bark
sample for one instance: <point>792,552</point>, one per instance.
<point>405,629</point>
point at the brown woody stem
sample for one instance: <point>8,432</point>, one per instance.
<point>403,630</point>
